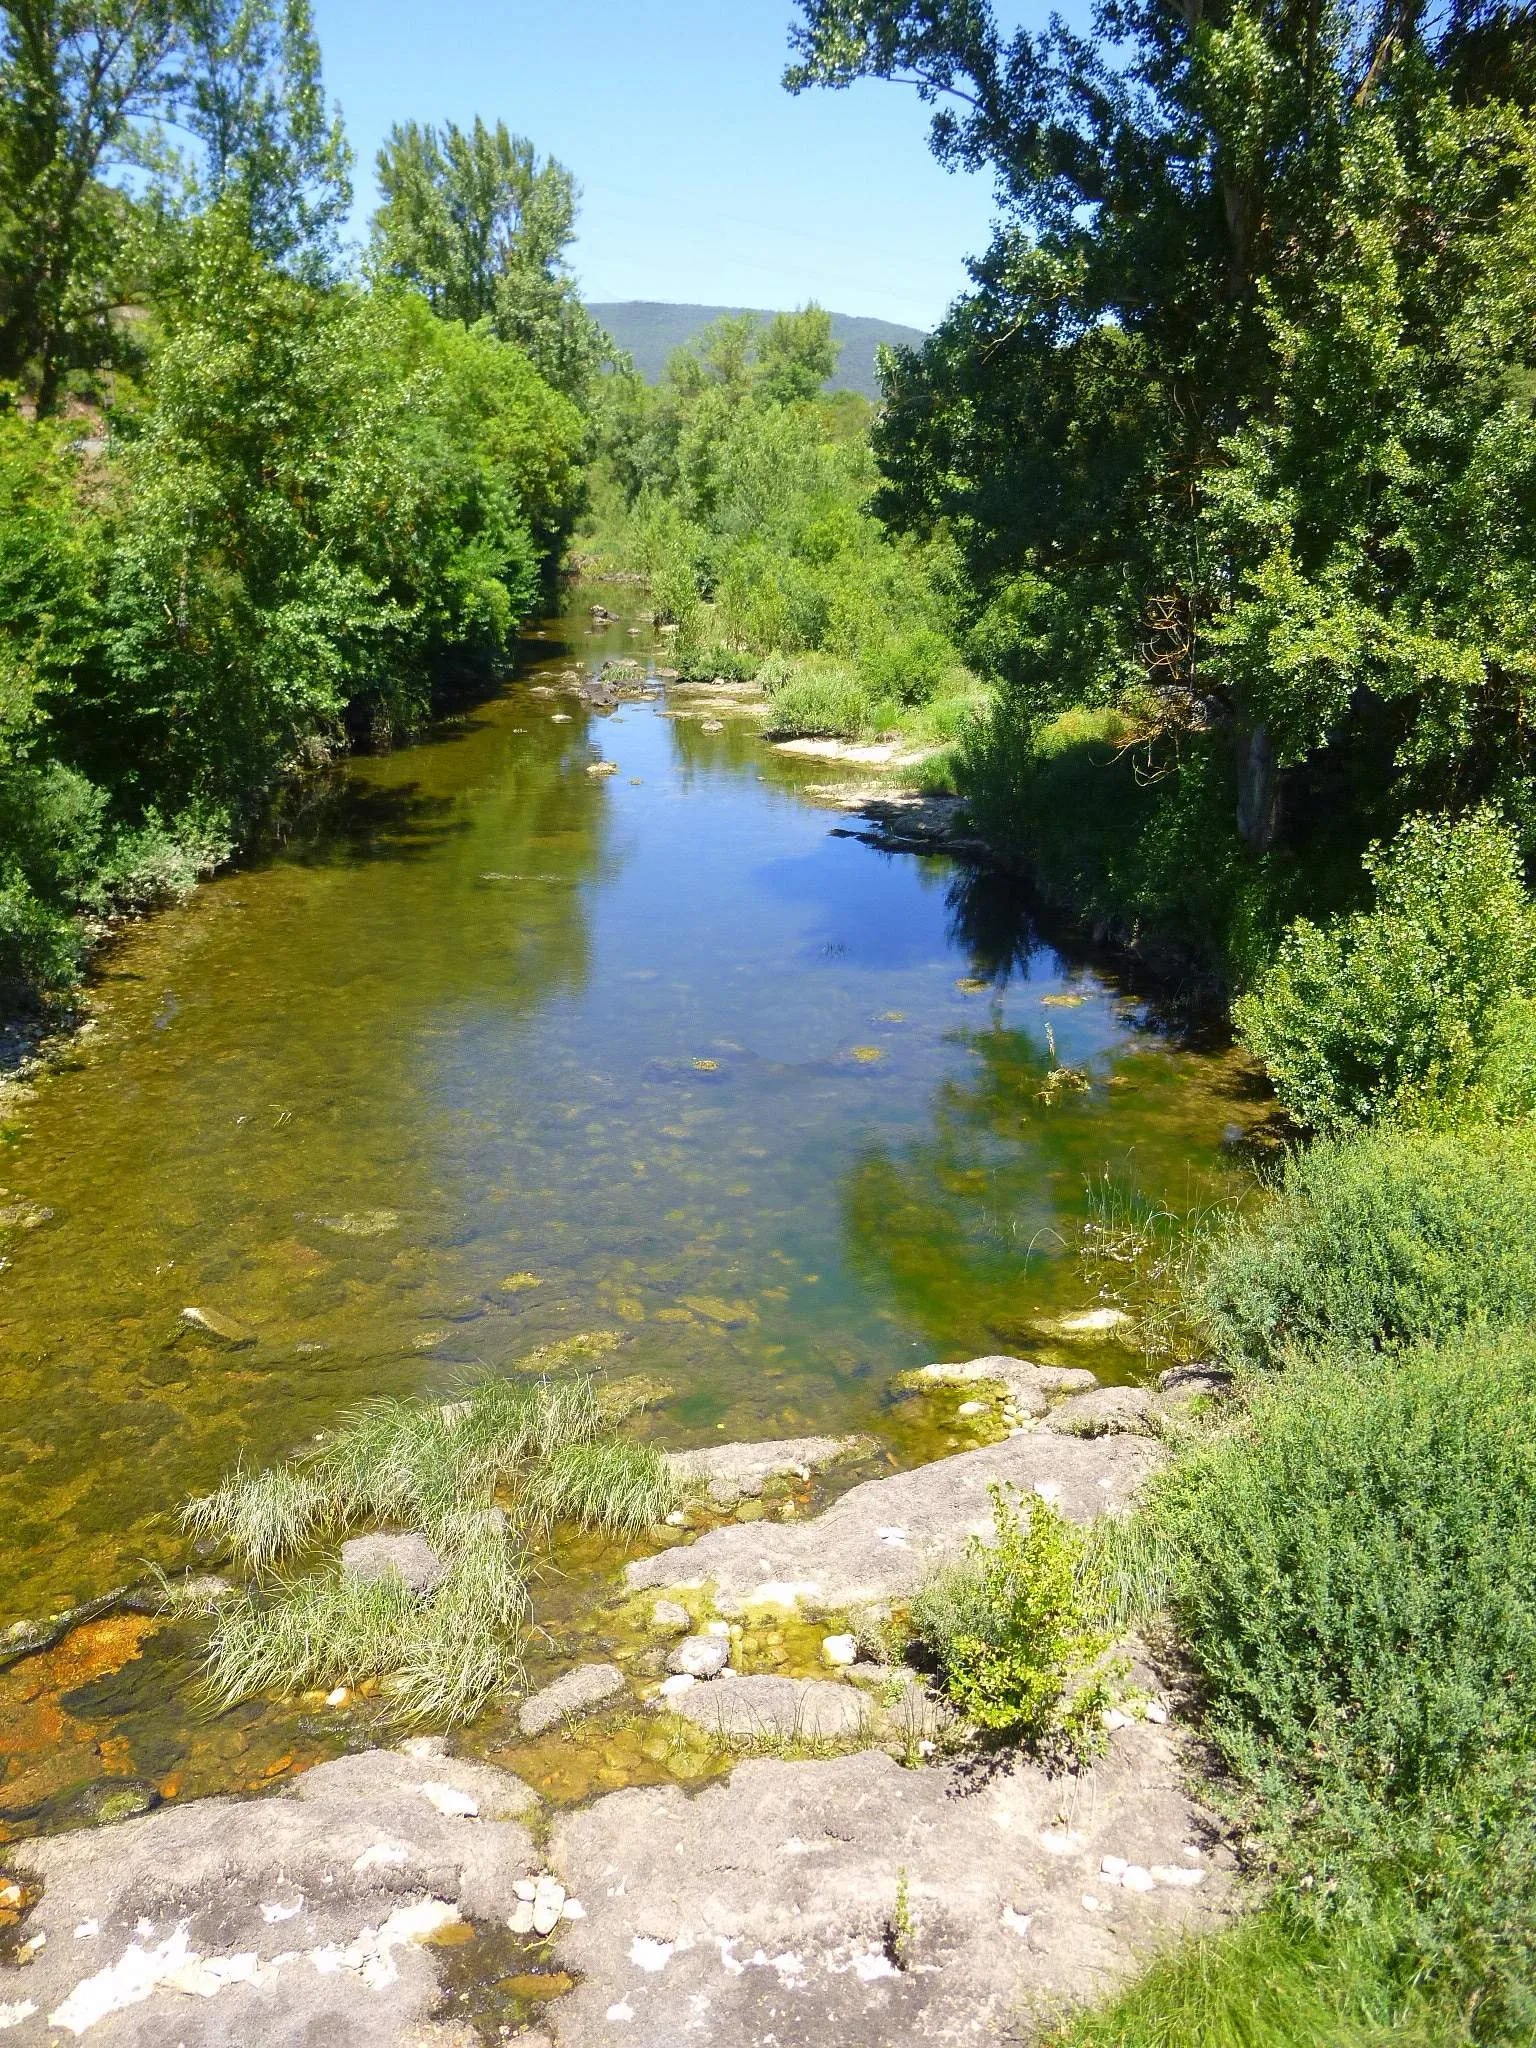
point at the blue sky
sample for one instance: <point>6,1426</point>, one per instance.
<point>702,178</point>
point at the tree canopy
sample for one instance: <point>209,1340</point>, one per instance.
<point>1235,427</point>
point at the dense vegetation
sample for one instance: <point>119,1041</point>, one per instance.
<point>743,495</point>
<point>250,509</point>
<point>1234,435</point>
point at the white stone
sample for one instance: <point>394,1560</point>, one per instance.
<point>1115,1867</point>
<point>573,1909</point>
<point>681,1682</point>
<point>717,1628</point>
<point>1017,1923</point>
<point>521,1921</point>
<point>672,1616</point>
<point>840,1649</point>
<point>450,1801</point>
<point>547,1902</point>
<point>702,1656</point>
<point>337,1698</point>
<point>1177,1873</point>
<point>1156,1712</point>
<point>1136,1879</point>
<point>526,1889</point>
<point>972,1408</point>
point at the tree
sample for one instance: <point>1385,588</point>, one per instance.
<point>1236,426</point>
<point>75,78</point>
<point>797,355</point>
<point>480,227</point>
<point>253,100</point>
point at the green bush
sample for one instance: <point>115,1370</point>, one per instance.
<point>1011,1630</point>
<point>1385,1239</point>
<point>820,699</point>
<point>1394,1011</point>
<point>1354,1574</point>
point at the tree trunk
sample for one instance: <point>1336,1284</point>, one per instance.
<point>1258,791</point>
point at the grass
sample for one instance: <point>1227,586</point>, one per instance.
<point>482,1478</point>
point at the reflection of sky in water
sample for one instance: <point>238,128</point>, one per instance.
<point>424,1089</point>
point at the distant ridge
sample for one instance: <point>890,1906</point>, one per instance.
<point>651,328</point>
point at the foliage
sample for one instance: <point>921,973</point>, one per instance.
<point>1404,1010</point>
<point>1225,437</point>
<point>253,100</point>
<point>1011,1631</point>
<point>548,1450</point>
<point>1375,1242</point>
<point>743,497</point>
<point>1355,1573</point>
<point>473,221</point>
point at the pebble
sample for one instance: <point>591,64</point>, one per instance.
<point>672,1616</point>
<point>840,1649</point>
<point>547,1903</point>
<point>717,1628</point>
<point>972,1408</point>
<point>521,1921</point>
<point>700,1656</point>
<point>1156,1712</point>
<point>672,1688</point>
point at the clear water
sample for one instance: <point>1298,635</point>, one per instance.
<point>492,1052</point>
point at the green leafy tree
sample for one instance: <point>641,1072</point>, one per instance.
<point>78,78</point>
<point>1235,427</point>
<point>254,101</point>
<point>480,227</point>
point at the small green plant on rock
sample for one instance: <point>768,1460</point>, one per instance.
<point>1012,1628</point>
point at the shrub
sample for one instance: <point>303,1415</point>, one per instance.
<point>821,699</point>
<point>909,667</point>
<point>1354,1572</point>
<point>1393,1011</point>
<point>1384,1239</point>
<point>1011,1630</point>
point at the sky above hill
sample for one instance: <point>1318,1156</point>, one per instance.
<point>702,179</point>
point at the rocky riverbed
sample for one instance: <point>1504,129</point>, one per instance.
<point>875,1885</point>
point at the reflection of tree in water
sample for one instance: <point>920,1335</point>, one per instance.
<point>990,919</point>
<point>960,1227</point>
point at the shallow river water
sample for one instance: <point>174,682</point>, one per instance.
<point>493,1052</point>
<point>488,1054</point>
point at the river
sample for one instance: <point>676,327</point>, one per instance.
<point>491,1052</point>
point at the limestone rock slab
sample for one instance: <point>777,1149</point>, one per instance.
<point>760,1910</point>
<point>289,1920</point>
<point>875,1544</point>
<point>573,1693</point>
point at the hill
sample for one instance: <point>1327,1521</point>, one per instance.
<point>650,329</point>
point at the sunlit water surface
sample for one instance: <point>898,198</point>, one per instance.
<point>493,1051</point>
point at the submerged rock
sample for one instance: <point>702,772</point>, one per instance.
<point>1030,1387</point>
<point>208,1322</point>
<point>411,1558</point>
<point>576,1692</point>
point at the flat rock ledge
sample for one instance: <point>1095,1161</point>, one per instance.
<point>763,1910</point>
<point>774,1709</point>
<point>874,1545</point>
<point>573,1694</point>
<point>729,1472</point>
<point>287,1921</point>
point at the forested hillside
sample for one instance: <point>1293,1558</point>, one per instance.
<point>649,330</point>
<point>252,508</point>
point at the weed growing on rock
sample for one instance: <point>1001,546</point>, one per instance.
<point>1018,1646</point>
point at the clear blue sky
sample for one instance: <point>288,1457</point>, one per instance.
<point>702,179</point>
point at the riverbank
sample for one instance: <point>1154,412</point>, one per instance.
<point>895,1899</point>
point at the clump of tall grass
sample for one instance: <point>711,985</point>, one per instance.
<point>1145,1255</point>
<point>478,1477</point>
